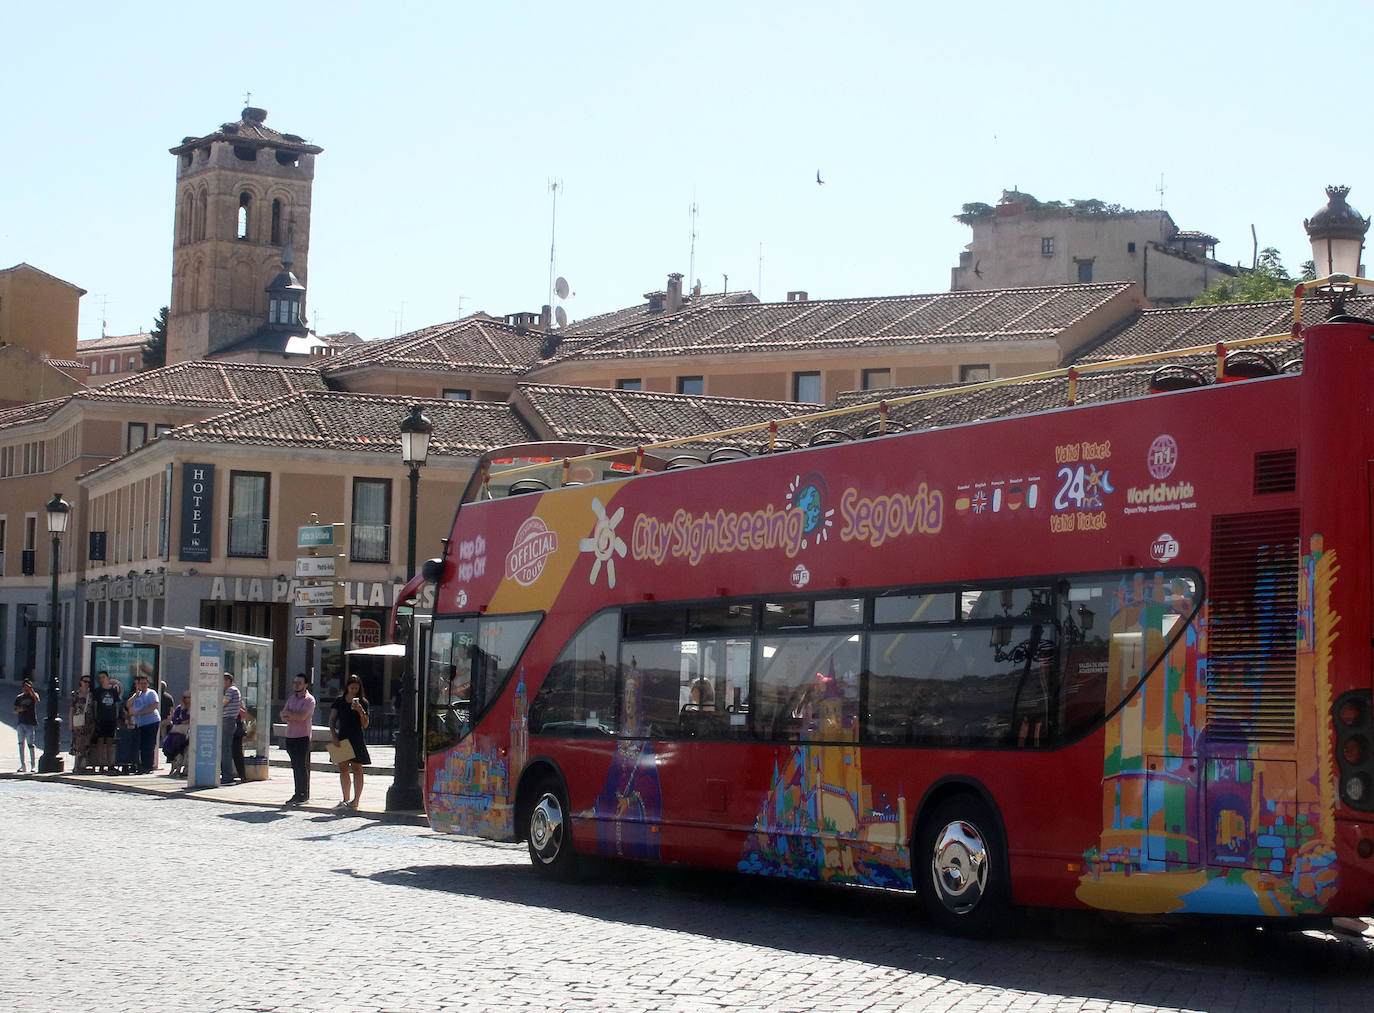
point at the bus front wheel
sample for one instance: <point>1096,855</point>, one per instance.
<point>961,863</point>
<point>550,835</point>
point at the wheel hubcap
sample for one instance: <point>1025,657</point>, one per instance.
<point>960,864</point>
<point>546,828</point>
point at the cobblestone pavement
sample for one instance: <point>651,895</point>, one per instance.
<point>118,900</point>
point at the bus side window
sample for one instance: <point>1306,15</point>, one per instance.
<point>580,695</point>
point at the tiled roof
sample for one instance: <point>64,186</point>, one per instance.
<point>36,412</point>
<point>605,323</point>
<point>1159,330</point>
<point>249,131</point>
<point>202,382</point>
<point>949,317</point>
<point>109,341</point>
<point>474,345</point>
<point>336,420</point>
<point>628,418</point>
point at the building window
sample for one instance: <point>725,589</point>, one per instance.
<point>1085,270</point>
<point>132,361</point>
<point>2,567</point>
<point>276,222</point>
<point>457,394</point>
<point>635,384</point>
<point>248,515</point>
<point>138,435</point>
<point>371,528</point>
<point>112,366</point>
<point>1047,246</point>
<point>244,200</point>
<point>806,388</point>
<point>1130,247</point>
<point>877,379</point>
<point>690,385</point>
<point>975,373</point>
<point>162,427</point>
<point>95,367</point>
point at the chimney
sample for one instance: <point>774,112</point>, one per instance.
<point>655,301</point>
<point>674,293</point>
<point>545,317</point>
<point>796,295</point>
<point>696,289</point>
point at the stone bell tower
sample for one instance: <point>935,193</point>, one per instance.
<point>243,195</point>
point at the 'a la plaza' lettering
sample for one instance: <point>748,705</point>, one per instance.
<point>357,593</point>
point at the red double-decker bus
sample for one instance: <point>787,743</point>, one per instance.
<point>1113,656</point>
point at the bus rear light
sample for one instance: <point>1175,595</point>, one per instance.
<point>1350,718</point>
<point>1350,713</point>
<point>1355,749</point>
<point>1365,848</point>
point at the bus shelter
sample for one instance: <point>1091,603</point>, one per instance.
<point>213,654</point>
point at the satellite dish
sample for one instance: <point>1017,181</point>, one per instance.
<point>560,314</point>
<point>560,287</point>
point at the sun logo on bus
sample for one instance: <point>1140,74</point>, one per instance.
<point>604,544</point>
<point>808,495</point>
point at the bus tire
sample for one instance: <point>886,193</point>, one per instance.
<point>961,867</point>
<point>549,833</point>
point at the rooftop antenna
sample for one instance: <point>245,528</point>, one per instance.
<point>554,186</point>
<point>726,283</point>
<point>760,291</point>
<point>248,98</point>
<point>692,238</point>
<point>399,316</point>
<point>461,299</point>
<point>1160,190</point>
<point>104,306</point>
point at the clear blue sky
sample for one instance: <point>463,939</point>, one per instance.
<point>442,125</point>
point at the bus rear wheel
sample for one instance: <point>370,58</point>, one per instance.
<point>961,866</point>
<point>549,833</point>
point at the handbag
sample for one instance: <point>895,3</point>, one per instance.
<point>340,752</point>
<point>78,720</point>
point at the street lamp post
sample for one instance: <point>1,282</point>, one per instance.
<point>59,513</point>
<point>405,792</point>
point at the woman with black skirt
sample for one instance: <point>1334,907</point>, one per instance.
<point>347,723</point>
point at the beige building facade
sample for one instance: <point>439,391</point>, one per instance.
<point>1022,241</point>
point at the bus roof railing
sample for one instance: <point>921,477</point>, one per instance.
<point>1339,284</point>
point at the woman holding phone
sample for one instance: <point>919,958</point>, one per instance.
<point>347,723</point>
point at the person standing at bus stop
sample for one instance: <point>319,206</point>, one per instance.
<point>229,718</point>
<point>26,724</point>
<point>348,722</point>
<point>145,708</point>
<point>298,714</point>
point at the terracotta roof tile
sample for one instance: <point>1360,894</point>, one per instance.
<point>987,315</point>
<point>605,323</point>
<point>249,130</point>
<point>201,383</point>
<point>628,418</point>
<point>474,344</point>
<point>337,420</point>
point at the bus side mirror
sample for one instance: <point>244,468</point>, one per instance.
<point>433,570</point>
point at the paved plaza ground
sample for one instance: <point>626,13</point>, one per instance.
<point>120,896</point>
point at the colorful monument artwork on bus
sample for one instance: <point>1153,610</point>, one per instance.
<point>628,811</point>
<point>472,792</point>
<point>819,820</point>
<point>1197,821</point>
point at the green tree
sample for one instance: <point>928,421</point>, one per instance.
<point>155,348</point>
<point>1267,282</point>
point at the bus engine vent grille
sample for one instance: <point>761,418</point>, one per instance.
<point>1276,471</point>
<point>1252,627</point>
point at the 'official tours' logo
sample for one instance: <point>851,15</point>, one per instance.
<point>534,544</point>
